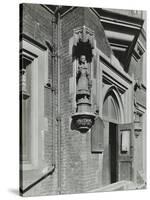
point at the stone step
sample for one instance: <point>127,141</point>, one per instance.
<point>121,185</point>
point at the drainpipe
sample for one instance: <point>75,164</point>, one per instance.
<point>57,14</point>
<point>51,86</point>
<point>53,94</point>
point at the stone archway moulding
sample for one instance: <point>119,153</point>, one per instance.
<point>106,91</point>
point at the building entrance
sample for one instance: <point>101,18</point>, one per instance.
<point>118,150</point>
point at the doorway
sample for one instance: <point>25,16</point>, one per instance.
<point>113,151</point>
<point>113,116</point>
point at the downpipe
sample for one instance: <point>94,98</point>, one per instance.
<point>57,14</point>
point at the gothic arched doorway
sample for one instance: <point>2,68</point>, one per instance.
<point>113,115</point>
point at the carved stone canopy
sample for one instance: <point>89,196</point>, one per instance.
<point>83,42</point>
<point>84,34</point>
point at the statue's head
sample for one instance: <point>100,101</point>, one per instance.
<point>82,58</point>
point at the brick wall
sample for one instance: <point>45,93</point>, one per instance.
<point>80,169</point>
<point>37,24</point>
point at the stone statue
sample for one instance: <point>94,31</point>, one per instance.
<point>83,76</point>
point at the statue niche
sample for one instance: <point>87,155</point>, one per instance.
<point>84,118</point>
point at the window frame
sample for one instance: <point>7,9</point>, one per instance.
<point>39,56</point>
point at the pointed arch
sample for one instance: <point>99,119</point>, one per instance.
<point>112,104</point>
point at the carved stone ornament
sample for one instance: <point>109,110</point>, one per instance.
<point>83,121</point>
<point>137,125</point>
<point>23,86</point>
<point>138,51</point>
<point>84,34</point>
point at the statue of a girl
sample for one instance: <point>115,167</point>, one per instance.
<point>83,76</point>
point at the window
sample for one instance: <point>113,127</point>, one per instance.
<point>27,109</point>
<point>33,75</point>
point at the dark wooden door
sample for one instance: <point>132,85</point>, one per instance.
<point>125,152</point>
<point>113,152</point>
